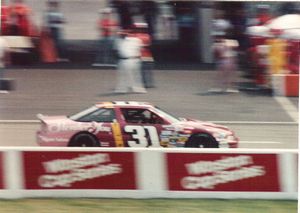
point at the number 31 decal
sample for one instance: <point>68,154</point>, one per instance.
<point>140,133</point>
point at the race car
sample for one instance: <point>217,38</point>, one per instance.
<point>131,124</point>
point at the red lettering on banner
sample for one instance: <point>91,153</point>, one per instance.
<point>1,171</point>
<point>223,172</point>
<point>79,170</point>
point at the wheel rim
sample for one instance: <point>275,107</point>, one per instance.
<point>84,141</point>
<point>202,141</point>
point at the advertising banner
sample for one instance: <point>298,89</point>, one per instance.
<point>223,172</point>
<point>79,170</point>
<point>1,171</point>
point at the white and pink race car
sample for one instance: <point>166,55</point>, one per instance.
<point>131,124</point>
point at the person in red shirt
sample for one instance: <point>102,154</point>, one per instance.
<point>108,28</point>
<point>141,32</point>
<point>19,19</point>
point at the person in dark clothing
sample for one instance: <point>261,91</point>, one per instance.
<point>123,9</point>
<point>54,20</point>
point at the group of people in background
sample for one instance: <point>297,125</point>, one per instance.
<point>128,48</point>
<point>16,20</point>
<point>125,42</point>
<point>271,52</point>
<point>259,56</point>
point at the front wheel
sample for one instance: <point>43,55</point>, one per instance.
<point>202,140</point>
<point>84,140</point>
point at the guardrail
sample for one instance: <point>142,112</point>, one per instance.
<point>148,173</point>
<point>216,122</point>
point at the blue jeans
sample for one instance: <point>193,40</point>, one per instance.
<point>147,76</point>
<point>57,38</point>
<point>1,77</point>
<point>105,51</point>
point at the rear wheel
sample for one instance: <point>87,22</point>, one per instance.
<point>84,140</point>
<point>202,140</point>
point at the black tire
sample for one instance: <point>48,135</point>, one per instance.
<point>84,140</point>
<point>202,140</point>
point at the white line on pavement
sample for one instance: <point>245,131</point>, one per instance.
<point>255,122</point>
<point>288,106</point>
<point>260,142</point>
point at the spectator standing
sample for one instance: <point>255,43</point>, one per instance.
<point>129,66</point>
<point>277,55</point>
<point>141,32</point>
<point>55,20</point>
<point>225,54</point>
<point>225,50</point>
<point>19,19</point>
<point>108,27</point>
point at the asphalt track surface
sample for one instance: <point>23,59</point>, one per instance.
<point>258,119</point>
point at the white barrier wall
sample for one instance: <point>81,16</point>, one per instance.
<point>148,173</point>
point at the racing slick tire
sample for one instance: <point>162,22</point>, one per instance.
<point>202,140</point>
<point>84,140</point>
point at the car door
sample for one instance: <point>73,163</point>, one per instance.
<point>100,123</point>
<point>141,127</point>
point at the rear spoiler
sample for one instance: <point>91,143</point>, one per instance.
<point>41,116</point>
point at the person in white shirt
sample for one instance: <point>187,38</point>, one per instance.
<point>225,51</point>
<point>128,49</point>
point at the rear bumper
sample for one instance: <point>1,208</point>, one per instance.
<point>46,140</point>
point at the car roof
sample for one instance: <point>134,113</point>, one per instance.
<point>123,104</point>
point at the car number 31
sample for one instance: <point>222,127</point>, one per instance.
<point>140,133</point>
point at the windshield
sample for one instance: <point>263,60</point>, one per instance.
<point>165,115</point>
<point>83,113</point>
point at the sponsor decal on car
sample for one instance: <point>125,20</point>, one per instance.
<point>139,136</point>
<point>53,139</point>
<point>221,172</point>
<point>168,127</point>
<point>73,170</point>
<point>173,138</point>
<point>90,127</point>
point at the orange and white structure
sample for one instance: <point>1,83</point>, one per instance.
<point>285,85</point>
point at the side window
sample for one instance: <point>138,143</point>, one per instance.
<point>155,119</point>
<point>100,115</point>
<point>140,116</point>
<point>135,116</point>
